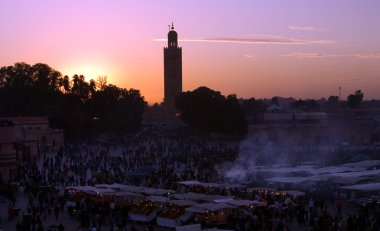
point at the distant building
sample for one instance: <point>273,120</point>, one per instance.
<point>364,124</point>
<point>10,136</point>
<point>37,130</point>
<point>172,74</point>
<point>301,119</point>
<point>23,138</point>
<point>351,127</point>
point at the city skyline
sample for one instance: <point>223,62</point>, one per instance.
<point>253,49</point>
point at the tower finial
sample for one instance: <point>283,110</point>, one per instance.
<point>172,26</point>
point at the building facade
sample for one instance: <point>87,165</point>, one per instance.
<point>172,73</point>
<point>22,139</point>
<point>351,127</point>
<point>10,136</point>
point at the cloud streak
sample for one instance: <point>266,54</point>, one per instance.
<point>279,41</point>
<point>314,55</point>
<point>368,56</point>
<point>303,28</point>
<point>248,56</point>
<point>320,55</point>
<point>341,80</point>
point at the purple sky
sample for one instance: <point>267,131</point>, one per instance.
<point>304,49</point>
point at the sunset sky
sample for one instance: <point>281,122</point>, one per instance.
<point>299,48</point>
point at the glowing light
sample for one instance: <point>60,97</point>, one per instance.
<point>89,71</point>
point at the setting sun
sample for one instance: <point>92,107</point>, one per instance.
<point>88,70</point>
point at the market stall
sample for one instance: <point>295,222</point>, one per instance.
<point>174,213</point>
<point>143,211</point>
<point>212,213</point>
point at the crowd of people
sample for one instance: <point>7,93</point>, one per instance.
<point>155,157</point>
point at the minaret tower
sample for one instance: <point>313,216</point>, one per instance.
<point>172,72</point>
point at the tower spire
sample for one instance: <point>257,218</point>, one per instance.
<point>172,73</point>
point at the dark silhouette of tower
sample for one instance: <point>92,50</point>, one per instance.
<point>172,72</point>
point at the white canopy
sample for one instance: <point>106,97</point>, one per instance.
<point>90,189</point>
<point>183,203</point>
<point>157,199</point>
<point>364,187</point>
<point>154,191</point>
<point>192,183</point>
<point>363,164</point>
<point>202,208</point>
<point>189,182</point>
<point>195,227</point>
<point>240,202</point>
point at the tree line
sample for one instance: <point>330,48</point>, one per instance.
<point>78,106</point>
<point>209,111</point>
<point>83,107</point>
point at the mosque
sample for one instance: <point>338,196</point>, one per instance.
<point>167,112</point>
<point>172,74</point>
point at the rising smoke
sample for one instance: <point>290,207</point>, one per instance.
<point>264,150</point>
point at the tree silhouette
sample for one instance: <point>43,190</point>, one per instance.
<point>332,104</point>
<point>252,108</point>
<point>354,100</point>
<point>117,108</point>
<point>81,88</point>
<point>39,90</point>
<point>306,105</point>
<point>332,100</point>
<point>66,84</point>
<point>46,78</point>
<point>208,111</point>
<point>101,82</point>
